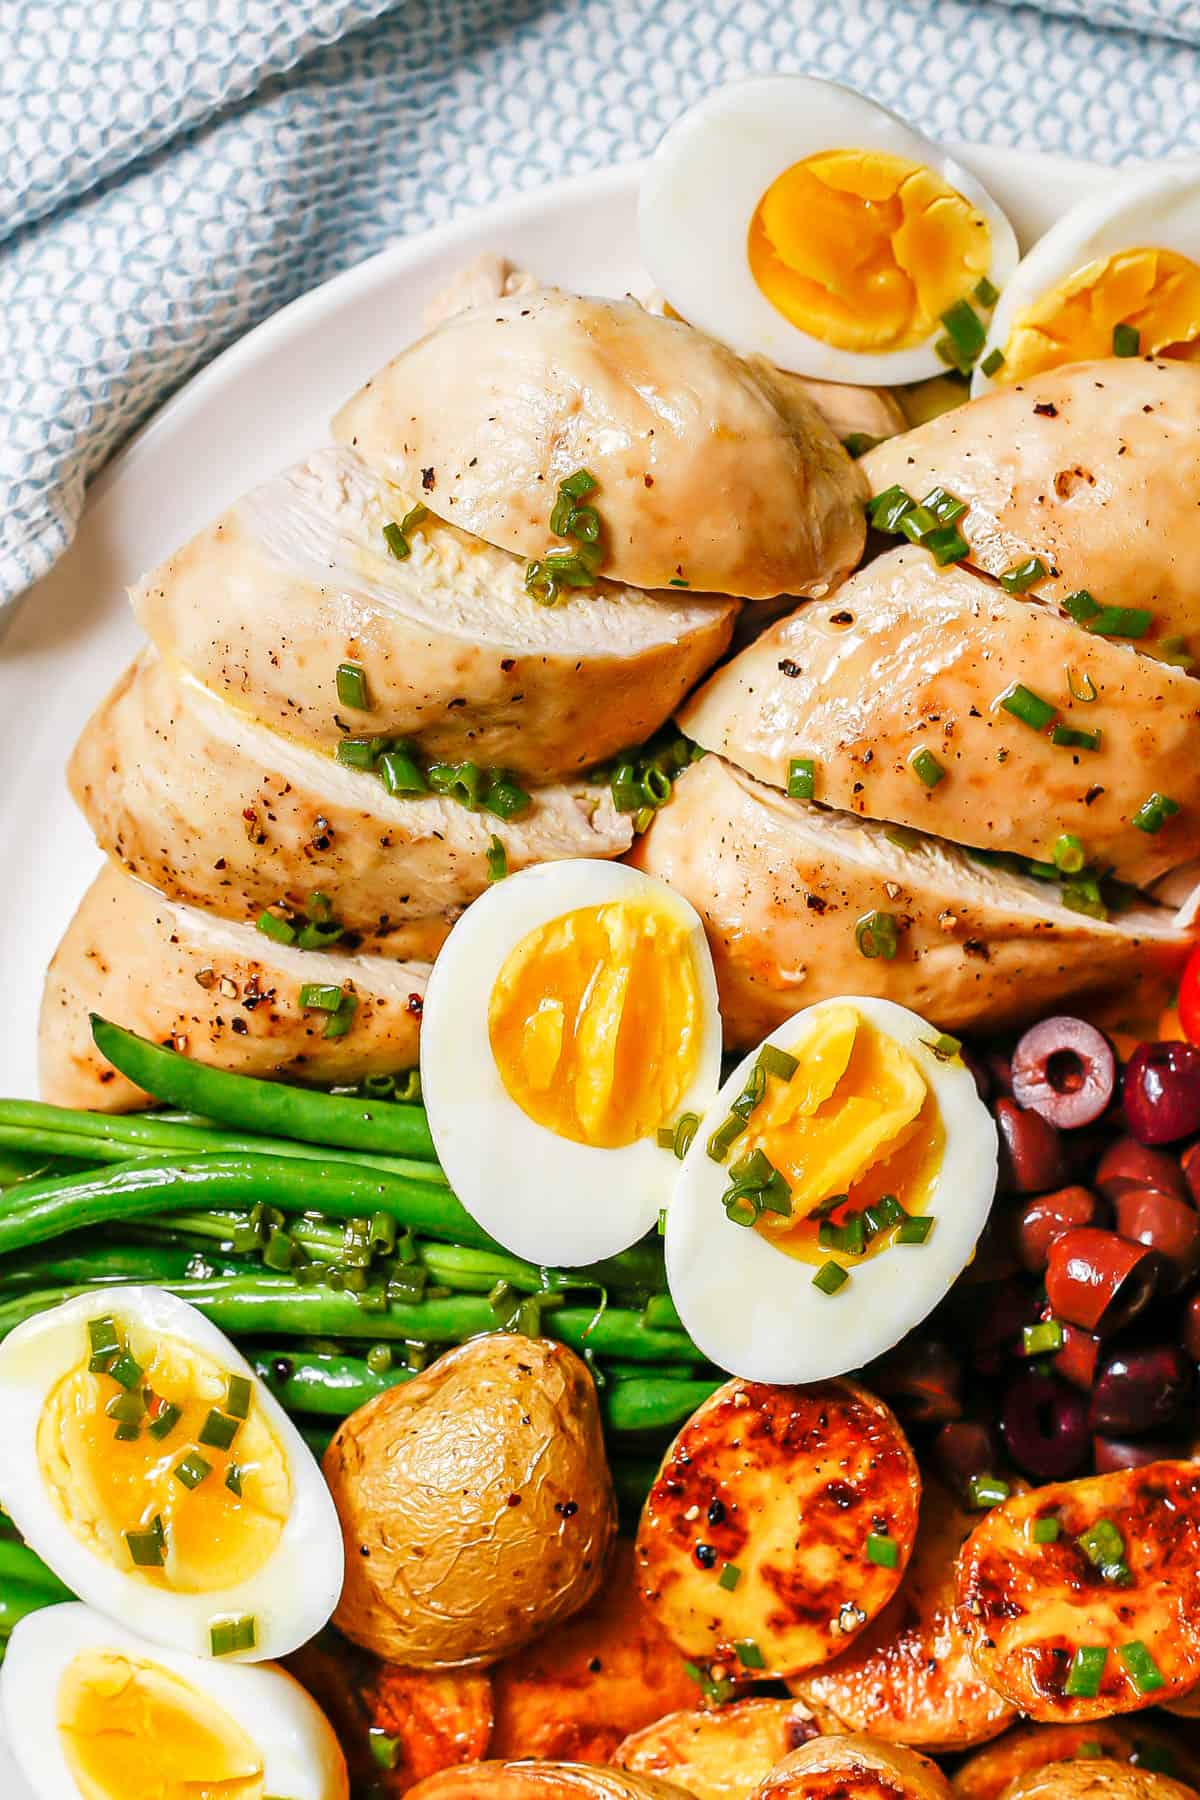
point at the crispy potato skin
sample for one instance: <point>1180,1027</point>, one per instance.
<point>476,1504</point>
<point>1096,1779</point>
<point>787,1484</point>
<point>854,1768</point>
<point>909,1678</point>
<point>720,1754</point>
<point>987,1774</point>
<point>543,1781</point>
<point>1027,1607</point>
<point>575,1693</point>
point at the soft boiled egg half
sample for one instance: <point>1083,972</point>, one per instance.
<point>89,1709</point>
<point>149,1467</point>
<point>1117,276</point>
<point>796,219</point>
<point>570,1018</point>
<point>832,1194</point>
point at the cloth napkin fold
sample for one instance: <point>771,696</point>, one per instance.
<point>172,171</point>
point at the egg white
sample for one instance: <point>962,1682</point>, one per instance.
<point>752,1309</point>
<point>542,1196</point>
<point>1156,211</point>
<point>291,1596</point>
<point>301,1755</point>
<point>705,180</point>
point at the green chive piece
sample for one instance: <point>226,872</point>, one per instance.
<point>987,1490</point>
<point>1082,895</point>
<point>749,1654</point>
<point>1027,706</point>
<point>352,686</point>
<point>946,507</point>
<point>190,1472</point>
<point>280,931</point>
<point>127,1434</point>
<point>1086,1672</point>
<point>218,1430</point>
<point>729,1577</point>
<point>357,753</point>
<point>237,1397</point>
<point>752,1093</point>
<point>1069,855</point>
<point>882,1214</point>
<point>884,1552</point>
<point>801,778</point>
<point>830,1277</point>
<point>414,517</point>
<point>1081,607</point>
<point>1042,1339</point>
<point>578,485</point>
<point>678,581</point>
<point>902,836</point>
<point>385,1750</point>
<point>925,765</point>
<point>1126,340</point>
<point>230,1634</point>
<point>992,361</point>
<point>915,1230</point>
<point>876,934</point>
<point>917,523</point>
<point>1121,621</point>
<point>126,1371</point>
<point>147,1549</point>
<point>540,584</point>
<point>400,773</point>
<point>103,1336</point>
<point>1024,575</point>
<point>777,1062</point>
<point>1045,1531</point>
<point>946,545</point>
<point>127,1408</point>
<point>1154,812</point>
<point>944,1047</point>
<point>965,330</point>
<point>664,1137</point>
<point>686,1127</point>
<point>164,1421</point>
<point>396,541</point>
<point>320,996</point>
<point>725,1136</point>
<point>233,1479</point>
<point>497,860</point>
<point>887,509</point>
<point>1067,737</point>
<point>986,294</point>
<point>858,443</point>
<point>1104,1546</point>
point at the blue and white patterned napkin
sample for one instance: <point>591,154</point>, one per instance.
<point>171,171</point>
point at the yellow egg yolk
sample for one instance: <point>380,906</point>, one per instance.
<point>595,1022</point>
<point>1155,292</point>
<point>865,250</point>
<point>173,1484</point>
<point>131,1730</point>
<point>856,1118</point>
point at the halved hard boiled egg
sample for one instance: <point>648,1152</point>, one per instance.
<point>149,1467</point>
<point>570,1018</point>
<point>796,219</point>
<point>832,1194</point>
<point>91,1709</point>
<point>1117,275</point>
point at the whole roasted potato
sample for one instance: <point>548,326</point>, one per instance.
<point>542,1781</point>
<point>722,1752</point>
<point>476,1504</point>
<point>854,1768</point>
<point>1029,1748</point>
<point>1095,1779</point>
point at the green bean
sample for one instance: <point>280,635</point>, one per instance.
<point>387,1126</point>
<point>21,1564</point>
<point>101,1263</point>
<point>18,1600</point>
<point>322,1382</point>
<point>40,1210</point>
<point>23,1164</point>
<point>651,1404</point>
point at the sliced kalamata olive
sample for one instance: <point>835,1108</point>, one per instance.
<point>1099,1280</point>
<point>1076,1360</point>
<point>962,1449</point>
<point>1045,1426</point>
<point>1031,1155</point>
<point>1001,1315</point>
<point>1190,1162</point>
<point>1191,1328</point>
<point>1140,1389</point>
<point>922,1379</point>
<point>1114,1454</point>
<point>1167,1224</point>
<point>1047,1216</point>
<point>1126,1163</point>
<point>995,1257</point>
<point>1161,1092</point>
<point>1064,1069</point>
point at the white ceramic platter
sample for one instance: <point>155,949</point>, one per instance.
<point>258,407</point>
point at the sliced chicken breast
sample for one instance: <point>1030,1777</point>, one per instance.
<point>910,658</point>
<point>223,993</point>
<point>1094,468</point>
<point>297,577</point>
<point>782,886</point>
<point>213,810</point>
<point>711,470</point>
<point>853,411</point>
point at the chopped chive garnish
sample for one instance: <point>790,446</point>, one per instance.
<point>1153,813</point>
<point>280,931</point>
<point>1069,855</point>
<point>876,935</point>
<point>104,1338</point>
<point>1043,1338</point>
<point>678,581</point>
<point>578,485</point>
<point>1121,621</point>
<point>1080,606</point>
<point>126,1370</point>
<point>164,1421</point>
<point>1082,895</point>
<point>925,765</point>
<point>664,1137</point>
<point>883,1551</point>
<point>357,753</point>
<point>1068,738</point>
<point>385,1750</point>
<point>882,1214</point>
<point>749,1654</point>
<point>1045,1531</point>
<point>946,545</point>
<point>902,836</point>
<point>986,294</point>
<point>229,1635</point>
<point>887,509</point>
<point>944,1047</point>
<point>801,777</point>
<point>396,541</point>
<point>777,1062</point>
<point>686,1127</point>
<point>352,686</point>
<point>857,443</point>
<point>1104,1546</point>
<point>1086,1672</point>
<point>1144,1672</point>
<point>320,996</point>
<point>218,1430</point>
<point>752,1093</point>
<point>965,330</point>
<point>729,1577</point>
<point>723,1138</point>
<point>986,1490</point>
<point>400,773</point>
<point>237,1397</point>
<point>830,1277</point>
<point>914,1230</point>
<point>147,1549</point>
<point>233,1479</point>
<point>1027,706</point>
<point>497,860</point>
<point>917,523</point>
<point>127,1434</point>
<point>192,1470</point>
<point>1023,575</point>
<point>1175,651</point>
<point>128,1408</point>
<point>992,361</point>
<point>849,1238</point>
<point>1126,340</point>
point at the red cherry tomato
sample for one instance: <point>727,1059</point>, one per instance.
<point>1189,998</point>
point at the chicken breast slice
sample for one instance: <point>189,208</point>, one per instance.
<point>297,577</point>
<point>782,884</point>
<point>909,658</point>
<point>213,810</point>
<point>222,993</point>
<point>711,470</point>
<point>1094,468</point>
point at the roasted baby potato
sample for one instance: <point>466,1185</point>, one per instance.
<point>543,1781</point>
<point>1096,1779</point>
<point>987,1774</point>
<point>784,1486</point>
<point>910,1678</point>
<point>476,1504</point>
<point>854,1768</point>
<point>1033,1611</point>
<point>576,1692</point>
<point>720,1754</point>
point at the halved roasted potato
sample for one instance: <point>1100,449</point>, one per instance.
<point>542,1781</point>
<point>986,1774</point>
<point>909,1678</point>
<point>1067,1634</point>
<point>722,1753</point>
<point>752,1547</point>
<point>854,1768</point>
<point>1096,1779</point>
